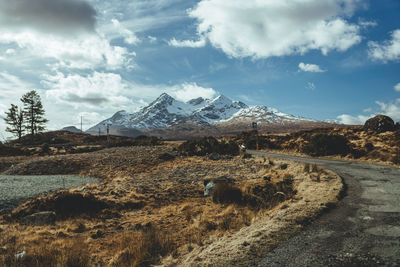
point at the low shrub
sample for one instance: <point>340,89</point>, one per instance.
<point>252,138</point>
<point>369,147</point>
<point>45,148</point>
<point>64,204</point>
<point>227,193</point>
<point>8,150</point>
<point>307,167</point>
<point>268,194</point>
<point>283,166</point>
<point>208,145</point>
<point>327,144</point>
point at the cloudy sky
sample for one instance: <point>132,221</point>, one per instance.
<point>331,59</point>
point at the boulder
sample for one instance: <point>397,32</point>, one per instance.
<point>379,124</point>
<point>20,255</point>
<point>40,219</point>
<point>209,188</point>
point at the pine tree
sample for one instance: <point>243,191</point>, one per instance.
<point>15,119</point>
<point>33,112</point>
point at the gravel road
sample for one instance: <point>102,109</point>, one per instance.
<point>364,230</point>
<point>15,189</point>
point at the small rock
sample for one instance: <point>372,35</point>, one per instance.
<point>214,156</point>
<point>20,255</point>
<point>209,188</point>
<point>40,219</point>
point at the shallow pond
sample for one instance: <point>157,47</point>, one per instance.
<point>15,189</point>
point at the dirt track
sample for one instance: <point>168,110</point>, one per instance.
<point>364,230</point>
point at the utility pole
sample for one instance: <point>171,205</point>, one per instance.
<point>108,131</point>
<point>81,125</point>
<point>254,125</point>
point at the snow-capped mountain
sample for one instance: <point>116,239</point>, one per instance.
<point>166,111</point>
<point>264,114</point>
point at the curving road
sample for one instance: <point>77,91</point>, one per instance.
<point>364,230</point>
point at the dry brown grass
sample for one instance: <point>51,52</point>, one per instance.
<point>71,253</point>
<point>152,208</point>
<point>143,248</point>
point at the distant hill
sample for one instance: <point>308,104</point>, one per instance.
<point>71,129</point>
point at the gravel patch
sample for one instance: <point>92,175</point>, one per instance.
<point>16,189</point>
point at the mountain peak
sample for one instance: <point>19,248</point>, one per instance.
<point>222,98</point>
<point>164,96</point>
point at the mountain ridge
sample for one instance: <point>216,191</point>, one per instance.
<point>165,112</point>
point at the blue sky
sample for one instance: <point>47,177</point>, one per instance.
<point>333,59</point>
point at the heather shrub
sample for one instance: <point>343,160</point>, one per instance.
<point>327,144</point>
<point>227,193</point>
<point>208,145</point>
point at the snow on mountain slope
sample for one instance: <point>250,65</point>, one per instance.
<point>264,114</point>
<point>166,111</point>
<point>221,108</point>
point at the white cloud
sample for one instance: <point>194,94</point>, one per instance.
<point>58,17</point>
<point>388,50</point>
<point>311,85</point>
<point>85,52</point>
<point>188,43</point>
<point>188,91</point>
<point>152,39</point>
<point>96,91</point>
<point>10,51</point>
<point>397,87</point>
<point>262,29</point>
<point>12,87</point>
<point>128,35</point>
<point>310,67</point>
<point>62,34</point>
<point>367,24</point>
<point>391,109</point>
<point>353,120</point>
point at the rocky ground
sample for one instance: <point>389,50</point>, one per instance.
<point>150,208</point>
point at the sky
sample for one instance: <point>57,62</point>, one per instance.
<point>331,59</point>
